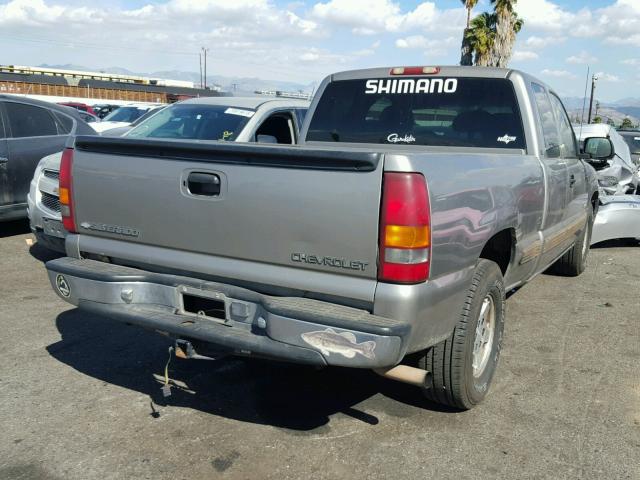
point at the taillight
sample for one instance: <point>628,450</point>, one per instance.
<point>405,234</point>
<point>65,191</point>
<point>415,71</point>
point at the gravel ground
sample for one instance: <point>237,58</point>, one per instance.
<point>78,398</point>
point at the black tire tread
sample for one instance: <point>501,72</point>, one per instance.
<point>572,264</point>
<point>445,360</point>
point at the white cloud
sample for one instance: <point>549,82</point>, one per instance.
<point>379,16</point>
<point>583,57</point>
<point>544,15</point>
<point>607,77</point>
<point>433,47</point>
<point>524,55</point>
<point>541,42</point>
<point>557,73</point>
<point>634,62</point>
<point>414,41</point>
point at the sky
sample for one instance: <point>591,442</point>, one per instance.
<point>302,41</point>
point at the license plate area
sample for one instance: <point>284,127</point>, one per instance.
<point>53,228</point>
<point>211,305</point>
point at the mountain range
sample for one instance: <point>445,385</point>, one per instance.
<point>232,84</point>
<point>616,111</point>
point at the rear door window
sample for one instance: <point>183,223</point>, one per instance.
<point>568,141</point>
<point>548,121</point>
<point>65,123</point>
<point>460,112</point>
<point>29,121</point>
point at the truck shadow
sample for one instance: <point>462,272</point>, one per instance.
<point>288,396</point>
<point>619,242</point>
<point>43,254</point>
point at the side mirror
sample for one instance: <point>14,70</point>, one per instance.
<point>599,148</point>
<point>266,139</point>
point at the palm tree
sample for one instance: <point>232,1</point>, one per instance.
<point>507,27</point>
<point>481,38</point>
<point>466,54</point>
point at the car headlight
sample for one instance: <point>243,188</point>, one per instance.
<point>607,181</point>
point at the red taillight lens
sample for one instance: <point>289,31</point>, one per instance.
<point>415,71</point>
<point>66,191</point>
<point>405,233</point>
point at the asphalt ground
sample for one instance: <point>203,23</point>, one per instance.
<point>79,400</point>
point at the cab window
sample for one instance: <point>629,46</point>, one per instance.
<point>278,127</point>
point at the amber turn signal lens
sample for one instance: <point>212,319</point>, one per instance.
<point>401,236</point>
<point>64,195</point>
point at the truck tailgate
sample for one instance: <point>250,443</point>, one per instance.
<point>287,206</point>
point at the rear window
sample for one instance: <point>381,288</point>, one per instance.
<point>195,122</point>
<point>458,112</point>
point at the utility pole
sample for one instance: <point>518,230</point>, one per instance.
<point>204,51</point>
<point>594,79</point>
<point>200,65</point>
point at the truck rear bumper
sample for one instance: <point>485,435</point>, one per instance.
<point>232,319</point>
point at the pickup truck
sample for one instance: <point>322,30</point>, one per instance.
<point>387,240</point>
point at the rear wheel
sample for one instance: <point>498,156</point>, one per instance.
<point>574,262</point>
<point>462,366</point>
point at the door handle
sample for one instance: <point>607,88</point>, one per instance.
<point>204,184</point>
<point>572,180</point>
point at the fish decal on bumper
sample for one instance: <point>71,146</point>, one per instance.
<point>345,343</point>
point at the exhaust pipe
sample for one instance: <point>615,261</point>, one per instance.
<point>406,374</point>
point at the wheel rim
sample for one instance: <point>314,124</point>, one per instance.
<point>483,341</point>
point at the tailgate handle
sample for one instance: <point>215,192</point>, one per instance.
<point>204,184</point>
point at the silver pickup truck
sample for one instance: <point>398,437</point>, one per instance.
<point>387,240</point>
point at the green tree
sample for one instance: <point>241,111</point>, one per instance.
<point>597,119</point>
<point>611,122</point>
<point>466,56</point>
<point>489,38</point>
<point>508,25</point>
<point>626,123</point>
<point>480,36</point>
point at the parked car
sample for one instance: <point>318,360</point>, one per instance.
<point>120,131</point>
<point>82,107</point>
<point>386,240</point>
<point>104,109</point>
<point>123,116</point>
<point>617,173</point>
<point>29,130</point>
<point>88,117</point>
<point>619,182</point>
<point>202,119</point>
<point>632,137</point>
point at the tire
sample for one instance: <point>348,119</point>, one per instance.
<point>455,381</point>
<point>574,262</point>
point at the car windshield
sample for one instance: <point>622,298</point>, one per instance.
<point>193,121</point>
<point>633,140</point>
<point>461,112</point>
<point>125,114</point>
<point>148,114</point>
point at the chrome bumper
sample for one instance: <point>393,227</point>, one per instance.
<point>295,329</point>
